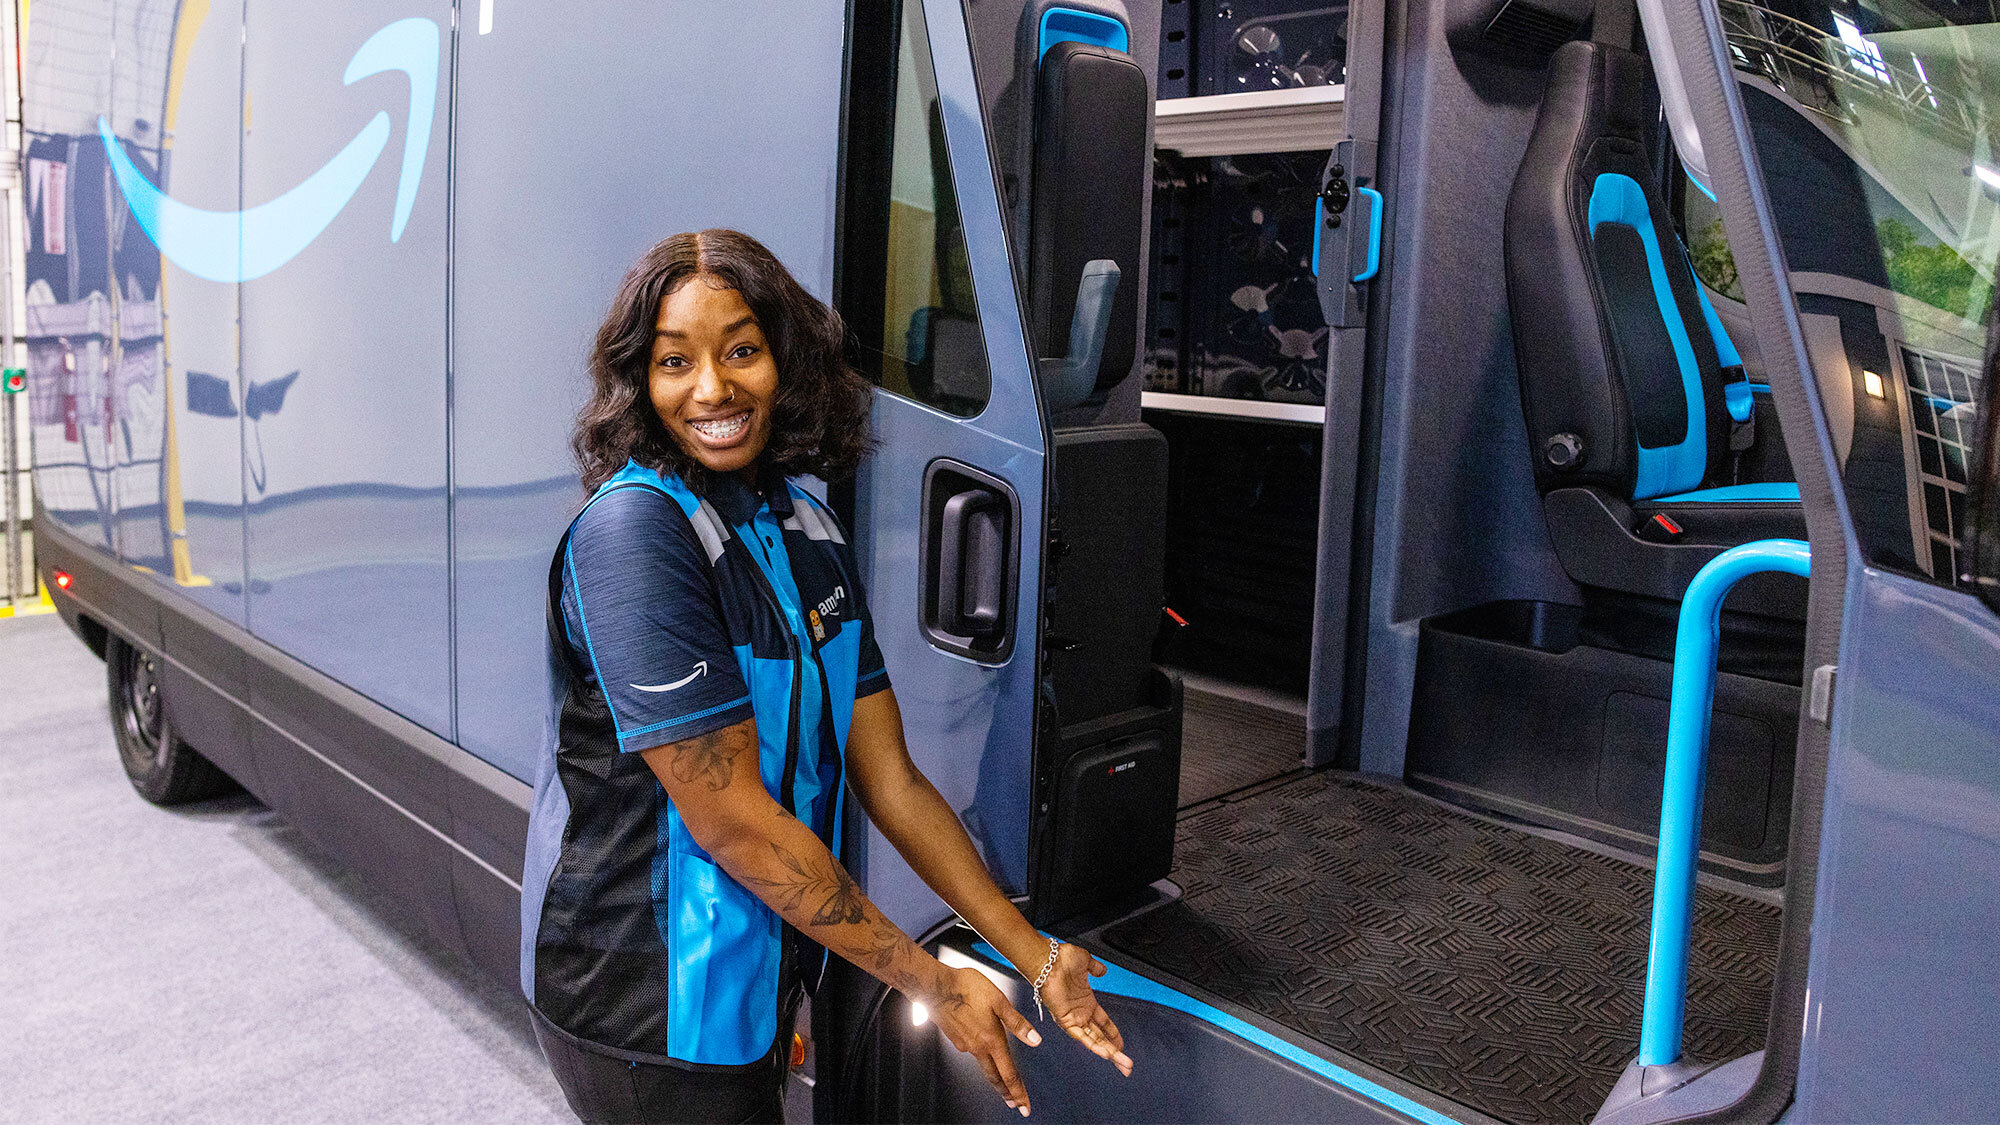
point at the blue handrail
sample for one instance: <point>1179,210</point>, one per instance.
<point>1680,799</point>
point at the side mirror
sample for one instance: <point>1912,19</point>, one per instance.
<point>1068,380</point>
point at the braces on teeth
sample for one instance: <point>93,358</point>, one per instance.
<point>722,429</point>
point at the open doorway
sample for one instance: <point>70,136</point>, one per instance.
<point>1477,939</point>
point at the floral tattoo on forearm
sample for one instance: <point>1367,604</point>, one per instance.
<point>832,889</point>
<point>836,901</point>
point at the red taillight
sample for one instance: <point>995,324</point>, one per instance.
<point>62,579</point>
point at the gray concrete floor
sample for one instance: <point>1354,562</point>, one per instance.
<point>208,963</point>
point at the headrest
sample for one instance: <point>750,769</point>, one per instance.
<point>1600,82</point>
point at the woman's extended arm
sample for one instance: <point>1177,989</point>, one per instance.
<point>714,784</point>
<point>915,818</point>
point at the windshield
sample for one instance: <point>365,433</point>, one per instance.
<point>1874,125</point>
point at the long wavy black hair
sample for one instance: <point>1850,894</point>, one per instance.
<point>819,419</point>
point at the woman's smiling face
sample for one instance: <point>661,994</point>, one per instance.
<point>713,379</point>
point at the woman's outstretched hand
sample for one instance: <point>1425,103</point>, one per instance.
<point>926,832</point>
<point>1068,997</point>
<point>977,1018</point>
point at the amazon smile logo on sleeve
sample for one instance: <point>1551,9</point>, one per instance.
<point>700,669</point>
<point>231,246</point>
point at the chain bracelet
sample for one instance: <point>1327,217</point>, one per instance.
<point>1048,967</point>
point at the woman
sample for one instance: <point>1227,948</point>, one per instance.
<point>718,684</point>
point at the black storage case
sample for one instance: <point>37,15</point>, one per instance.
<point>1110,799</point>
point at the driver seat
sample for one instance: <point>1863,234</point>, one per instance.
<point>1637,407</point>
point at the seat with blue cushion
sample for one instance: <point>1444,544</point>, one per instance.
<point>1638,411</point>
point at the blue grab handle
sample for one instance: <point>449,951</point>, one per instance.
<point>1319,224</point>
<point>1687,763</point>
<point>1062,25</point>
<point>1374,233</point>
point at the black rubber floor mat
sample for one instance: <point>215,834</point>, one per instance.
<point>1503,970</point>
<point>1227,744</point>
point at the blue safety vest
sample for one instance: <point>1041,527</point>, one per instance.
<point>672,615</point>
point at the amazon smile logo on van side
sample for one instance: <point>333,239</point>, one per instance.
<point>247,244</point>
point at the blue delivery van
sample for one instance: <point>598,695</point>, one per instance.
<point>1454,545</point>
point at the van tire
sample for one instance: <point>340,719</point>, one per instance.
<point>164,769</point>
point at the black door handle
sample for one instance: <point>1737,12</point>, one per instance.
<point>970,547</point>
<point>972,565</point>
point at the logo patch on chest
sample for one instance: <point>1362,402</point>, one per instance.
<point>825,617</point>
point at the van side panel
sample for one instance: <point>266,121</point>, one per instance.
<point>343,346</point>
<point>198,497</point>
<point>585,133</point>
<point>70,80</point>
<point>362,782</point>
<point>204,682</point>
<point>203,475</point>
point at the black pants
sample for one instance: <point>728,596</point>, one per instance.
<point>617,1090</point>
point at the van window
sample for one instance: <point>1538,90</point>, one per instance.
<point>1708,249</point>
<point>1870,126</point>
<point>906,284</point>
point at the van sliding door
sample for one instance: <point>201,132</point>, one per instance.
<point>343,344</point>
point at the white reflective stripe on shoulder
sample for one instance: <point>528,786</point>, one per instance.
<point>826,520</point>
<point>807,519</point>
<point>709,526</point>
<point>805,525</point>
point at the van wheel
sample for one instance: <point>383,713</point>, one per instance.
<point>164,769</point>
